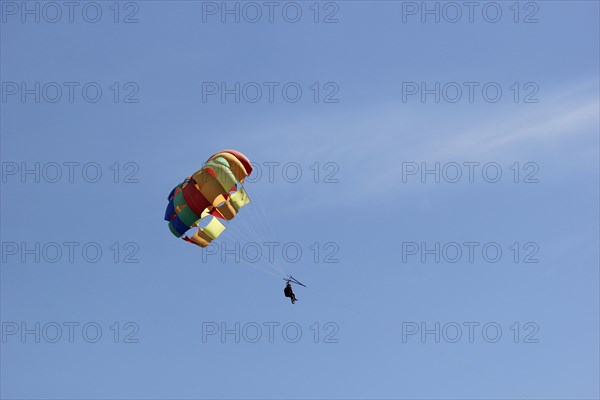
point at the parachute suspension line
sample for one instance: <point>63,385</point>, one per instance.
<point>267,225</point>
<point>257,235</point>
<point>260,230</point>
<point>234,234</point>
<point>251,226</point>
<point>242,237</point>
<point>258,225</point>
<point>258,266</point>
<point>261,222</point>
<point>264,218</point>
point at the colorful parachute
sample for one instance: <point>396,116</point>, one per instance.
<point>214,191</point>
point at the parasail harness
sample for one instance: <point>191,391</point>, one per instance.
<point>293,280</point>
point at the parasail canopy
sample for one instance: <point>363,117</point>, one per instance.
<point>212,193</point>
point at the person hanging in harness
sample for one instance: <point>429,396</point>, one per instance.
<point>289,292</point>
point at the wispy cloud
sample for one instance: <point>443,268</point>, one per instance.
<point>371,146</point>
<point>559,119</point>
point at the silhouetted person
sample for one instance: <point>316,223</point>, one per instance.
<point>289,292</point>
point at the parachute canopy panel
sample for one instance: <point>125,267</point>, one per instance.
<point>213,192</point>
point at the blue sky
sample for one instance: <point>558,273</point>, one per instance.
<point>360,211</point>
